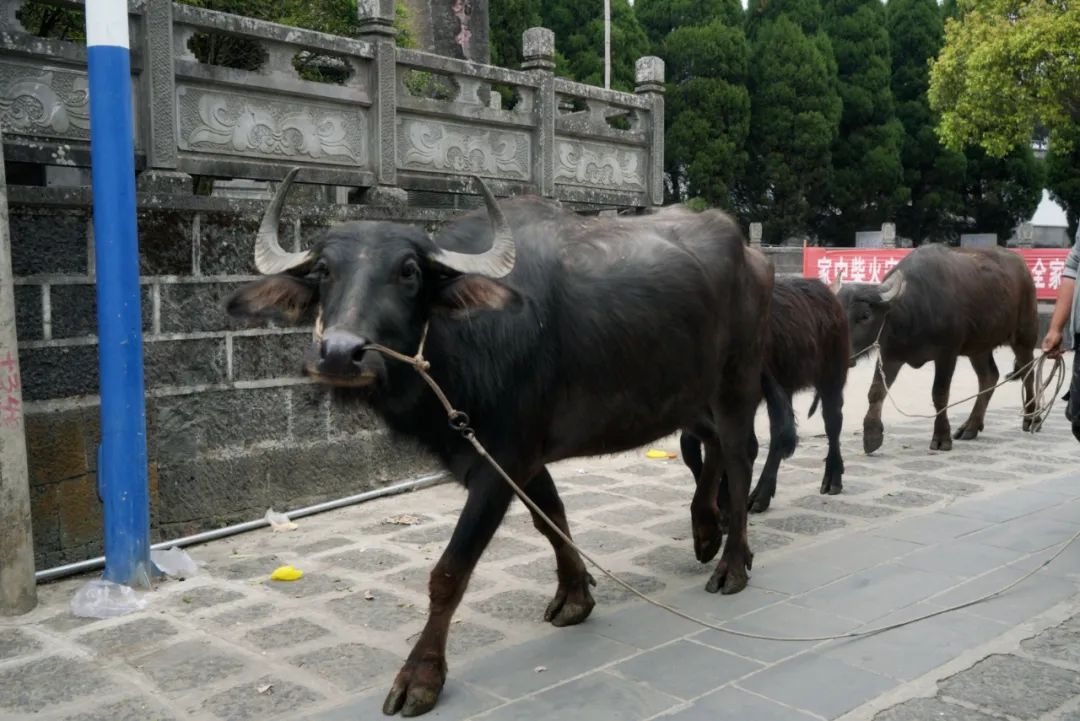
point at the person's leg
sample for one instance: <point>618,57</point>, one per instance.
<point>1072,409</point>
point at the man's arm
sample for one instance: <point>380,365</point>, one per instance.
<point>1051,344</point>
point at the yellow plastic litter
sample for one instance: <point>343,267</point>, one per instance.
<point>286,573</point>
<point>654,453</point>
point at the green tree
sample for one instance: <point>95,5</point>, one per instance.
<point>707,108</point>
<point>579,38</point>
<point>1000,193</point>
<point>1063,173</point>
<point>867,172</point>
<point>508,20</point>
<point>1007,66</point>
<point>933,174</point>
<point>660,17</point>
<point>795,111</point>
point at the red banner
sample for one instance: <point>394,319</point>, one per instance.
<point>862,265</point>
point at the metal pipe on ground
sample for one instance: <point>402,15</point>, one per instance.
<point>18,594</point>
<point>70,569</point>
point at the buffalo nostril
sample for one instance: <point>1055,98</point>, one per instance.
<point>340,351</point>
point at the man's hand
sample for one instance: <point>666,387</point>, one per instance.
<point>1051,344</point>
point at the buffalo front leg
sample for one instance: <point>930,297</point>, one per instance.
<point>943,373</point>
<point>987,372</point>
<point>832,410</point>
<point>873,430</point>
<point>420,680</point>
<point>573,602</point>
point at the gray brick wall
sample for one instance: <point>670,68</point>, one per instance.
<point>232,427</point>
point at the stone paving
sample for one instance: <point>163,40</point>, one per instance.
<point>915,531</point>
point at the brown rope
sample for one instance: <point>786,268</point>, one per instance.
<point>460,422</point>
<point>1042,407</point>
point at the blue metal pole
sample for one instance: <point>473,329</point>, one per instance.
<point>122,479</point>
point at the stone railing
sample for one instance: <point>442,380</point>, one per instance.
<point>376,126</point>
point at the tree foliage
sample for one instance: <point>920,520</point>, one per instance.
<point>579,38</point>
<point>1000,193</point>
<point>795,112</point>
<point>1006,67</point>
<point>660,17</point>
<point>867,172</point>
<point>933,174</point>
<point>508,21</point>
<point>707,108</point>
<point>1063,173</point>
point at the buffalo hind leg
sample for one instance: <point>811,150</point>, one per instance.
<point>832,411</point>
<point>987,372</point>
<point>873,429</point>
<point>943,373</point>
<point>763,492</point>
<point>573,602</point>
<point>705,513</point>
<point>736,429</point>
<point>416,687</point>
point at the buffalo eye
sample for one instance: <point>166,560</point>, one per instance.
<point>410,270</point>
<point>320,271</point>
<point>864,316</point>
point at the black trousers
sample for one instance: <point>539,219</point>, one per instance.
<point>1072,408</point>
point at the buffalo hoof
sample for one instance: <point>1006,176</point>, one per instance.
<point>760,500</point>
<point>941,443</point>
<point>572,603</point>
<point>873,436</point>
<point>707,543</point>
<point>416,688</point>
<point>968,432</point>
<point>730,578</point>
<point>831,485</point>
<point>1027,424</point>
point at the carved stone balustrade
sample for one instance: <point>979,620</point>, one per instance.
<point>235,98</point>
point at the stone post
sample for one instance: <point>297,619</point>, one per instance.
<point>9,19</point>
<point>1026,236</point>
<point>649,83</point>
<point>755,235</point>
<point>377,27</point>
<point>158,93</point>
<point>18,592</point>
<point>888,235</point>
<point>538,54</point>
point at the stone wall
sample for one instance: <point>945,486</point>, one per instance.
<point>232,428</point>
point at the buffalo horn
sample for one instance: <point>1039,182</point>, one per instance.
<point>270,257</point>
<point>838,281</point>
<point>892,287</point>
<point>494,262</point>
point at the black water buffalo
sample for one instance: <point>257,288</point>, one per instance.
<point>560,336</point>
<point>936,304</point>
<point>808,347</point>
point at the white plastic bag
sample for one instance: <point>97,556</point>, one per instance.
<point>279,521</point>
<point>105,599</point>
<point>175,562</point>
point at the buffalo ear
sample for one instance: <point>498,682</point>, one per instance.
<point>475,292</point>
<point>282,298</point>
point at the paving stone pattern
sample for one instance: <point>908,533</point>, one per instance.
<point>914,531</point>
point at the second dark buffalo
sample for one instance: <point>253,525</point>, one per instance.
<point>808,347</point>
<point>937,304</point>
